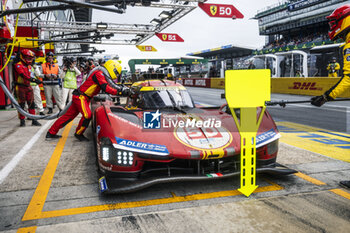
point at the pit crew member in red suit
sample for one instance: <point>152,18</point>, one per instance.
<point>23,89</point>
<point>95,82</point>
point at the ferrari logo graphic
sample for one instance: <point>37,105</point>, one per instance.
<point>164,37</point>
<point>213,10</point>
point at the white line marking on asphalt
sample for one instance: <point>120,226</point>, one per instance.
<point>348,120</point>
<point>15,160</point>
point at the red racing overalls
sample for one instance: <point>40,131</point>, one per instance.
<point>23,90</point>
<point>81,102</point>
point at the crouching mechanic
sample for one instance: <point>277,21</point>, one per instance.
<point>96,81</point>
<point>23,89</point>
<point>333,68</point>
<point>339,22</point>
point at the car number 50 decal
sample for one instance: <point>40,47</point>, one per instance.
<point>203,138</point>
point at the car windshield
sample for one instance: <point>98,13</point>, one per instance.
<point>166,98</point>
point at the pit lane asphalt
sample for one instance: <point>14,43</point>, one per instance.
<point>312,201</point>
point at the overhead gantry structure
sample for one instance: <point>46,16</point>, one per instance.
<point>76,32</point>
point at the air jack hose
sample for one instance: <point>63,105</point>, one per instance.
<point>21,111</point>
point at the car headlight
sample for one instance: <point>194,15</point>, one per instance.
<point>115,156</point>
<point>272,147</point>
<point>105,153</point>
<point>125,158</point>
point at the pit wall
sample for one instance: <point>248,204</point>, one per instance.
<point>296,86</point>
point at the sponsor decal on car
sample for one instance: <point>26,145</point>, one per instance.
<point>203,138</point>
<point>214,175</point>
<point>266,137</point>
<point>98,128</point>
<point>102,184</point>
<point>142,147</point>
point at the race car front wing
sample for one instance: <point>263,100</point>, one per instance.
<point>112,185</point>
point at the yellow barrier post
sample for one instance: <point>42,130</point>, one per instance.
<point>247,90</point>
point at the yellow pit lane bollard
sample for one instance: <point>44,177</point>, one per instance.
<point>247,90</point>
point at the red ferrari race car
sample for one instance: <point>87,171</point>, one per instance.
<point>159,135</point>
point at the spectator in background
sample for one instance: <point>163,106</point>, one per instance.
<point>251,65</point>
<point>333,68</point>
<point>298,73</point>
<point>51,81</point>
<point>69,77</point>
<point>90,64</point>
<point>36,89</point>
<point>283,67</point>
<point>170,75</point>
<point>212,71</point>
<point>81,78</point>
<point>101,61</point>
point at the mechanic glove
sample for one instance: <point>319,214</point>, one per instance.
<point>125,91</point>
<point>37,81</point>
<point>320,100</point>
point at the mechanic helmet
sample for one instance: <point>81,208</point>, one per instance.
<point>114,68</point>
<point>334,59</point>
<point>27,56</point>
<point>49,54</point>
<point>339,22</point>
<point>91,61</point>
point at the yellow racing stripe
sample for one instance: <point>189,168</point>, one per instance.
<point>82,102</point>
<point>80,130</point>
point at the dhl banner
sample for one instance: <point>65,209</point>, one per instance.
<point>304,86</point>
<point>296,86</point>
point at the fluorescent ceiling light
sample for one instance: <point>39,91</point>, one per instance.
<point>156,21</point>
<point>165,14</point>
<point>102,26</point>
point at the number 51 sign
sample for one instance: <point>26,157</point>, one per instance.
<point>221,10</point>
<point>169,37</point>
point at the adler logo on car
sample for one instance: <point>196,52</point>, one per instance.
<point>142,147</point>
<point>266,137</point>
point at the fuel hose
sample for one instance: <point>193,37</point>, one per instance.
<point>23,112</point>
